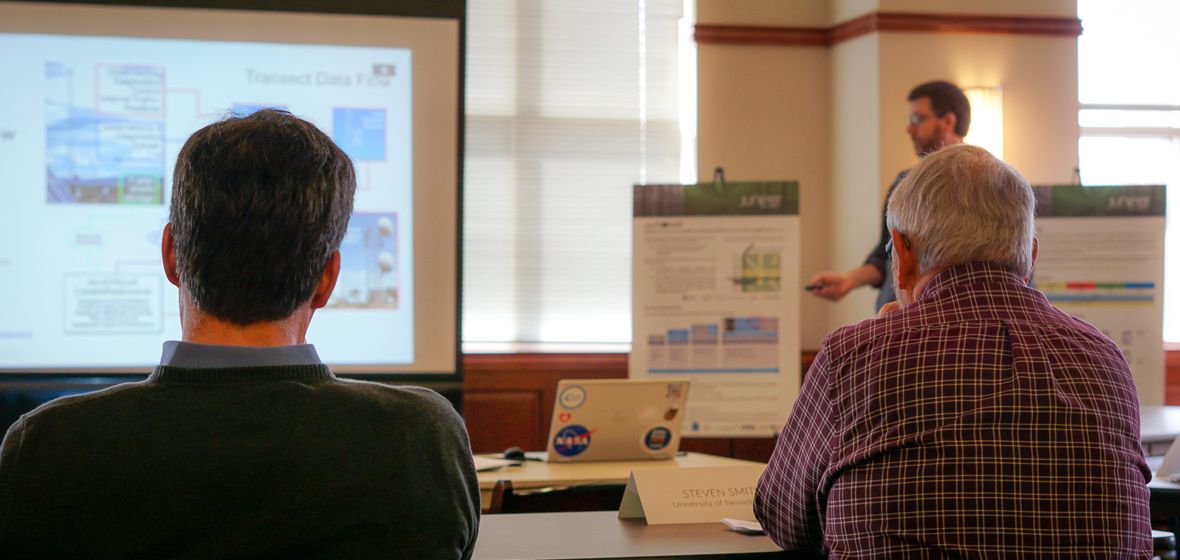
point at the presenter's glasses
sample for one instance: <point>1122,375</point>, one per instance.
<point>916,119</point>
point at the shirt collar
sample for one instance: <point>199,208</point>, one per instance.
<point>191,355</point>
<point>953,278</point>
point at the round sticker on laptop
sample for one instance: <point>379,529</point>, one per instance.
<point>571,440</point>
<point>657,438</point>
<point>572,397</point>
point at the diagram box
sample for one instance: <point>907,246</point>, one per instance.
<point>140,189</point>
<point>129,90</point>
<point>360,132</point>
<point>131,145</point>
<point>114,304</point>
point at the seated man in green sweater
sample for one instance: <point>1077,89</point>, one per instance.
<point>242,443</point>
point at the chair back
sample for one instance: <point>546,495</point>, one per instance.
<point>591,497</point>
<point>1164,543</point>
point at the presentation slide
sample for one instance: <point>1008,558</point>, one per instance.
<point>90,127</point>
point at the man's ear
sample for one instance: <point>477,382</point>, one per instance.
<point>907,261</point>
<point>949,120</point>
<point>1036,246</point>
<point>327,283</point>
<point>168,253</point>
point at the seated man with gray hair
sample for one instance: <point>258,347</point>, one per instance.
<point>973,418</point>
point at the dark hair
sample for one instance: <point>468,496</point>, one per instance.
<point>945,96</point>
<point>259,204</point>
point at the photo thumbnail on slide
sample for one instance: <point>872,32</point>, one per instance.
<point>368,263</point>
<point>110,151</point>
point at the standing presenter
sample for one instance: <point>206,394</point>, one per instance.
<point>939,116</point>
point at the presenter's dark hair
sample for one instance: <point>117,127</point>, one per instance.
<point>259,204</point>
<point>945,96</point>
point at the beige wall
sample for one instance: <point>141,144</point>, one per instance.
<point>833,117</point>
<point>784,13</point>
<point>1038,77</point>
<point>764,116</point>
<point>844,10</point>
<point>1043,8</point>
<point>855,220</point>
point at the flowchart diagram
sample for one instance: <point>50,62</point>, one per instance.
<point>114,114</point>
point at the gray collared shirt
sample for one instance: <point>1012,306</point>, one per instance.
<point>191,355</point>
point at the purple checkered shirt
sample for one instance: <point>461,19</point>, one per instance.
<point>980,422</point>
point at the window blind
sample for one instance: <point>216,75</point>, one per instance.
<point>1130,112</point>
<point>568,105</point>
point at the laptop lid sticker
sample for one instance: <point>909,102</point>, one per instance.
<point>657,438</point>
<point>572,440</point>
<point>572,397</point>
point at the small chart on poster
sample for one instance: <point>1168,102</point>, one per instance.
<point>715,301</point>
<point>1101,259</point>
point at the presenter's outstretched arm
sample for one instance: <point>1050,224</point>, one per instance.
<point>835,285</point>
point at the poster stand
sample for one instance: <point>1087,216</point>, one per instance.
<point>715,299</point>
<point>1101,259</point>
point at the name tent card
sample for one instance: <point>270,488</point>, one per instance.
<point>690,495</point>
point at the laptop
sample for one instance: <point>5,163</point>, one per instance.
<point>616,419</point>
<point>1169,469</point>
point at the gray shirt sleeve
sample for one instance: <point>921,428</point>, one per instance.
<point>878,257</point>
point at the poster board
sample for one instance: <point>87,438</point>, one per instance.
<point>1101,259</point>
<point>715,300</point>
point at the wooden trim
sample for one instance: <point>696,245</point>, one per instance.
<point>758,35</point>
<point>1009,25</point>
<point>887,22</point>
<point>544,363</point>
<point>547,365</point>
<point>1171,376</point>
<point>853,28</point>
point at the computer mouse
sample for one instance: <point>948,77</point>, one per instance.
<point>514,453</point>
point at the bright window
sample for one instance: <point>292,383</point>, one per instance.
<point>568,105</point>
<point>1130,115</point>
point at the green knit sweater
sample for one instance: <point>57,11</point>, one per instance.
<point>261,462</point>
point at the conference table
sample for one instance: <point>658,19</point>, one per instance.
<point>1158,428</point>
<point>601,534</point>
<point>536,473</point>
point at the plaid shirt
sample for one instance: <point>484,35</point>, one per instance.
<point>979,422</point>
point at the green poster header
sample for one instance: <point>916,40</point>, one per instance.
<point>779,198</point>
<point>1060,201</point>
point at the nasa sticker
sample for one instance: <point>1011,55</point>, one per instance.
<point>572,397</point>
<point>657,438</point>
<point>571,440</point>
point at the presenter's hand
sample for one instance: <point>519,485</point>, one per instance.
<point>831,285</point>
